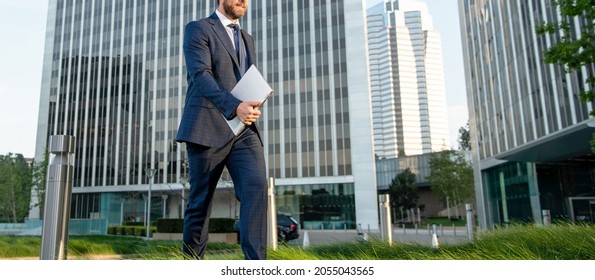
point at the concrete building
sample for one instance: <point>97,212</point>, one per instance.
<point>407,80</point>
<point>529,130</point>
<point>114,77</point>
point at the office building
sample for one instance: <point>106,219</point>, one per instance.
<point>407,80</point>
<point>530,131</point>
<point>114,77</point>
<point>388,168</point>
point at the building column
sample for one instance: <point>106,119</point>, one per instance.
<point>534,192</point>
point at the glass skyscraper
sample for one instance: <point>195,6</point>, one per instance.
<point>530,131</point>
<point>407,80</point>
<point>114,77</point>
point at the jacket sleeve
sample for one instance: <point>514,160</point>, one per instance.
<point>199,54</point>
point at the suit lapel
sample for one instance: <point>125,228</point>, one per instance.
<point>223,36</point>
<point>249,48</point>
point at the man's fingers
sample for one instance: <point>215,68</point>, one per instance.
<point>254,104</point>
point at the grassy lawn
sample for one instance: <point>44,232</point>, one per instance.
<point>529,242</point>
<point>444,221</point>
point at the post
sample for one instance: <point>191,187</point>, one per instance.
<point>385,220</point>
<point>164,197</point>
<point>184,181</point>
<point>435,242</point>
<point>547,220</point>
<point>448,206</point>
<point>150,173</point>
<point>54,236</point>
<point>122,211</point>
<point>418,215</point>
<point>272,215</point>
<point>470,221</point>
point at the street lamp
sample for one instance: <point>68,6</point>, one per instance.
<point>150,173</point>
<point>184,181</point>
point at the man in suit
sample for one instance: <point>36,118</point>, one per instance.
<point>215,62</point>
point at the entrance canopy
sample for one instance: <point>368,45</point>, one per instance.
<point>559,146</point>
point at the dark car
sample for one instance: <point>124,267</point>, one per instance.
<point>287,228</point>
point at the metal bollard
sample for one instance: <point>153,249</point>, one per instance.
<point>547,220</point>
<point>272,215</point>
<point>385,220</point>
<point>54,235</point>
<point>470,221</point>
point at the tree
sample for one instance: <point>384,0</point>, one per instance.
<point>403,192</point>
<point>464,138</point>
<point>573,50</point>
<point>15,188</point>
<point>39,181</point>
<point>451,177</point>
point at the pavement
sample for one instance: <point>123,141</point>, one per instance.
<point>409,236</point>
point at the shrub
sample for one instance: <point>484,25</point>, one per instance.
<point>121,230</point>
<point>216,225</point>
<point>140,231</point>
<point>112,230</point>
<point>170,225</point>
<point>129,230</point>
<point>133,223</point>
<point>221,225</point>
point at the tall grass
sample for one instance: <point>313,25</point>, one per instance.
<point>560,242</point>
<point>528,242</point>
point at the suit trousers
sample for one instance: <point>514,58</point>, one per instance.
<point>244,159</point>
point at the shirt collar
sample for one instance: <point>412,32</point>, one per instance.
<point>224,20</point>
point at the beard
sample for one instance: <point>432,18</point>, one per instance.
<point>235,11</point>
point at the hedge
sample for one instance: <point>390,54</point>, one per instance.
<point>216,225</point>
<point>130,230</point>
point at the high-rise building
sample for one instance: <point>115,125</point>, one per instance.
<point>114,77</point>
<point>529,130</point>
<point>407,80</point>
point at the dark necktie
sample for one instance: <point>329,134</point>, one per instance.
<point>240,48</point>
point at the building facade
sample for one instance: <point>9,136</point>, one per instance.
<point>114,77</point>
<point>530,131</point>
<point>407,80</point>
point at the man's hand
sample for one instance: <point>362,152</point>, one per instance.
<point>248,112</point>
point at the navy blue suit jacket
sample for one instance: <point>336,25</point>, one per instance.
<point>213,70</point>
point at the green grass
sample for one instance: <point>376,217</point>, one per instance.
<point>444,221</point>
<point>128,246</point>
<point>564,242</point>
<point>516,242</point>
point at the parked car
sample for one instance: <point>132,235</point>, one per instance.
<point>287,228</point>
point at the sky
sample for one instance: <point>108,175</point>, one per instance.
<point>22,29</point>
